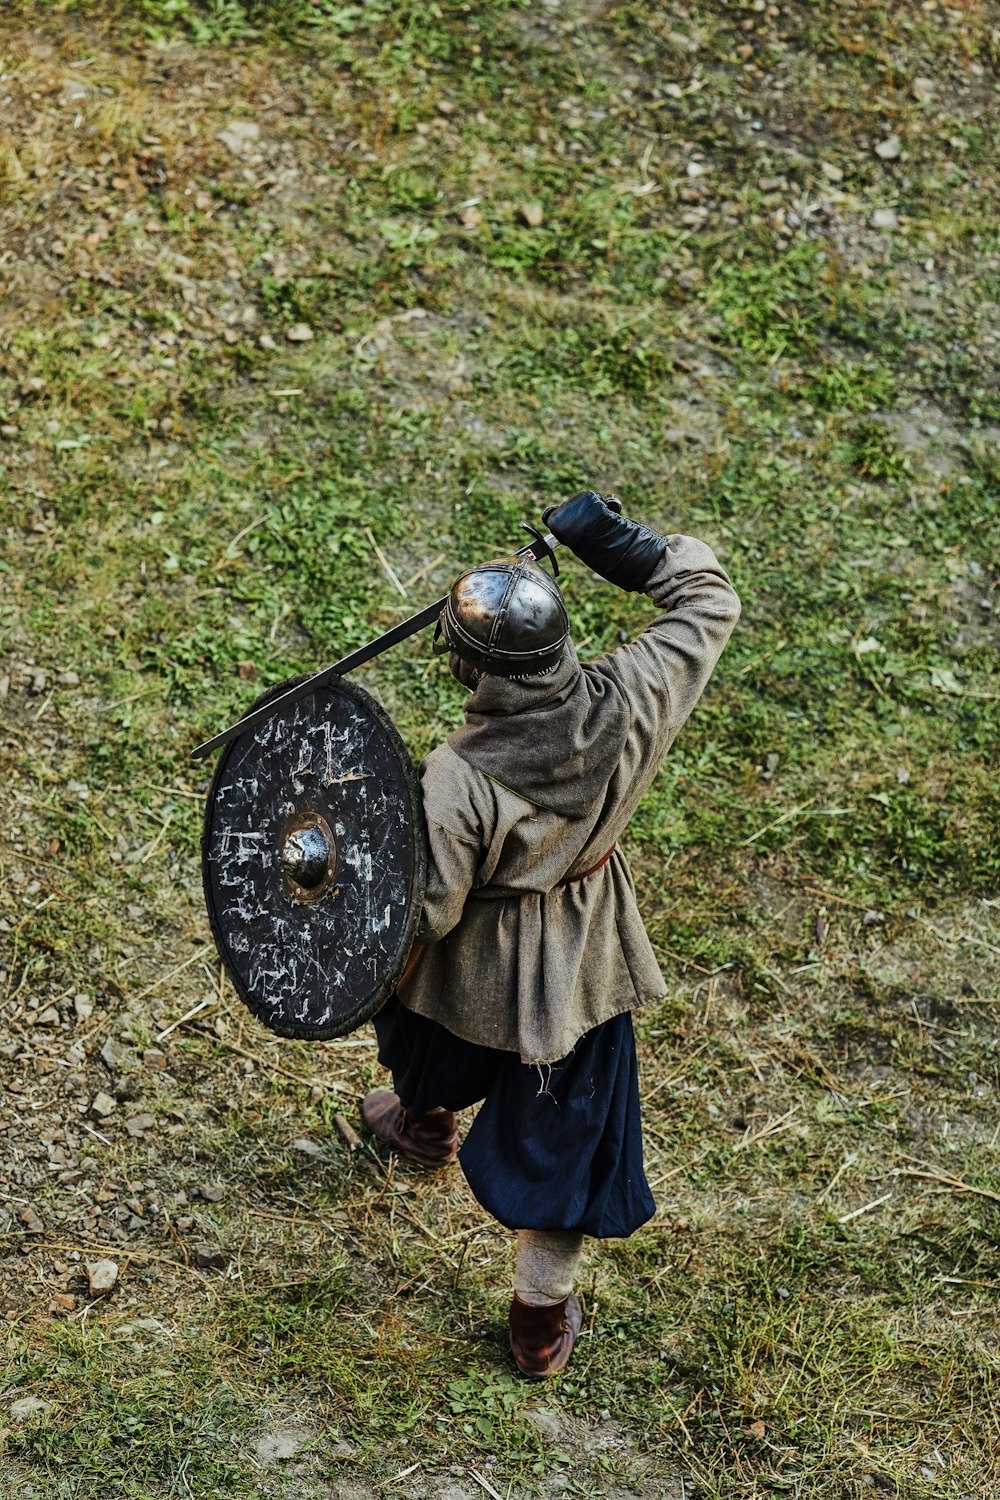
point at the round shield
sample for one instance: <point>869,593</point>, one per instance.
<point>314,860</point>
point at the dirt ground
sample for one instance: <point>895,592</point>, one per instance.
<point>279,304</point>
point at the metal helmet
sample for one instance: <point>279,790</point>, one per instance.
<point>506,618</point>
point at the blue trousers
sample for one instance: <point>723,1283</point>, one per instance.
<point>554,1146</point>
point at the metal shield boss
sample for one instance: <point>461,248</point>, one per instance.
<point>314,861</point>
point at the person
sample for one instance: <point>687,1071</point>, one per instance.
<point>531,952</point>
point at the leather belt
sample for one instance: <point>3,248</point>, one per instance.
<point>505,893</point>
<point>572,879</point>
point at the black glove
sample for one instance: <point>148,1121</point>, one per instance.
<point>622,551</point>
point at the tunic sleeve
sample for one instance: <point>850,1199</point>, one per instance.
<point>456,839</point>
<point>664,671</point>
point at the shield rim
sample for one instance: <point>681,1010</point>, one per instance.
<point>298,1030</point>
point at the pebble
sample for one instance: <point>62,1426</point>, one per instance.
<point>923,88</point>
<point>114,1055</point>
<point>285,1443</point>
<point>28,1407</point>
<point>238,135</point>
<point>210,1257</point>
<point>884,218</point>
<point>307,1147</point>
<point>532,214</point>
<point>889,149</point>
<point>103,1105</point>
<point>299,333</point>
<point>101,1276</point>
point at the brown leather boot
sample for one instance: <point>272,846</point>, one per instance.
<point>542,1338</point>
<point>431,1141</point>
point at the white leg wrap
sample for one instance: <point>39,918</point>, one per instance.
<point>546,1264</point>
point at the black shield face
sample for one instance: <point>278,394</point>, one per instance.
<point>314,862</point>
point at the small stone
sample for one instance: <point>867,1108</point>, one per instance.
<point>834,174</point>
<point>114,1055</point>
<point>212,1192</point>
<point>103,1105</point>
<point>28,1407</point>
<point>299,333</point>
<point>889,149</point>
<point>137,1125</point>
<point>37,684</point>
<point>873,918</point>
<point>210,1257</point>
<point>62,1302</point>
<point>83,1006</point>
<point>470,217</point>
<point>532,214</point>
<point>696,169</point>
<point>902,775</point>
<point>238,135</point>
<point>30,1219</point>
<point>307,1147</point>
<point>185,1224</point>
<point>47,1017</point>
<point>267,342</point>
<point>69,679</point>
<point>155,1059</point>
<point>285,1443</point>
<point>923,89</point>
<point>246,670</point>
<point>884,218</point>
<point>101,1276</point>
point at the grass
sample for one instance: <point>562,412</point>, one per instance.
<point>741,354</point>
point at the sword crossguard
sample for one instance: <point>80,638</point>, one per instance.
<point>541,549</point>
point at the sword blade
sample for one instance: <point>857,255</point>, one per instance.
<point>392,637</point>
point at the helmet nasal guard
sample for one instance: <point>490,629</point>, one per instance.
<point>506,618</point>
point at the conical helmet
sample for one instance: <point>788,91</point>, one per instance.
<point>506,618</point>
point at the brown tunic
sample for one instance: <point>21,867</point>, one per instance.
<point>513,958</point>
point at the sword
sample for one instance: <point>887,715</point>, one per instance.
<point>541,546</point>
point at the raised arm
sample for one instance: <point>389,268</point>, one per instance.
<point>663,671</point>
